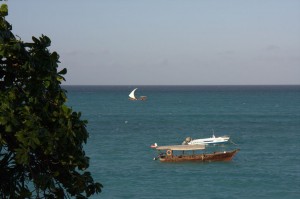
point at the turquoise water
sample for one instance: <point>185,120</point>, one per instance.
<point>263,121</point>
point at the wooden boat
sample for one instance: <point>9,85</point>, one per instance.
<point>132,96</point>
<point>170,156</point>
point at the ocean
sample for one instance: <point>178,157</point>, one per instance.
<point>262,121</point>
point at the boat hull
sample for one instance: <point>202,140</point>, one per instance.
<point>213,157</point>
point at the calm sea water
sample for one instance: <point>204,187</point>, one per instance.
<point>263,121</point>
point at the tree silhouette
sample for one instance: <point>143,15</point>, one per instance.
<point>41,139</point>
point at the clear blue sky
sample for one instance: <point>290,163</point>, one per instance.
<point>167,42</point>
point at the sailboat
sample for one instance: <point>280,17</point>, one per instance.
<point>132,96</point>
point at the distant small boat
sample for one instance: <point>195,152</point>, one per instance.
<point>154,145</point>
<point>132,96</point>
<point>211,140</point>
<point>170,156</point>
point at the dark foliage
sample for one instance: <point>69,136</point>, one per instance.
<point>41,139</point>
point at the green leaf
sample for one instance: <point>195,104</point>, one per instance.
<point>8,128</point>
<point>66,109</point>
<point>45,40</point>
<point>63,72</point>
<point>22,156</point>
<point>60,78</point>
<point>17,47</point>
<point>54,56</point>
<point>3,10</point>
<point>35,40</point>
<point>36,140</point>
<point>3,120</point>
<point>20,136</point>
<point>47,84</point>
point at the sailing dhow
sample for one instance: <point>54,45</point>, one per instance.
<point>132,96</point>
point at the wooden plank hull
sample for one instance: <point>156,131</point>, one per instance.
<point>216,156</point>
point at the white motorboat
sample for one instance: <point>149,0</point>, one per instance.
<point>211,140</point>
<point>154,145</point>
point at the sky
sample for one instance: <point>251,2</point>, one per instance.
<point>167,42</point>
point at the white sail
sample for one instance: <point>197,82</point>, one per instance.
<point>131,95</point>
